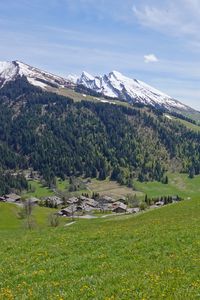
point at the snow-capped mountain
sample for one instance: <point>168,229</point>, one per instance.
<point>11,70</point>
<point>113,85</point>
<point>116,85</point>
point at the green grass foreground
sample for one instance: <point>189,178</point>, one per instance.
<point>154,255</point>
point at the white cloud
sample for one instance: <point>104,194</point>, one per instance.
<point>177,18</point>
<point>150,58</point>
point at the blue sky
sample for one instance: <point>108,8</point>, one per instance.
<point>151,40</point>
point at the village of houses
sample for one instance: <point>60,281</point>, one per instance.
<point>82,206</point>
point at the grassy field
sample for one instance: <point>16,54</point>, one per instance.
<point>111,188</point>
<point>154,255</point>
<point>9,216</point>
<point>39,190</point>
<point>62,185</point>
<point>179,184</point>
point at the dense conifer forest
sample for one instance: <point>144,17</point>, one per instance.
<point>59,137</point>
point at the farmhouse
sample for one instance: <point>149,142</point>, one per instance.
<point>106,207</point>
<point>54,200</point>
<point>68,211</point>
<point>119,207</point>
<point>91,202</point>
<point>12,198</point>
<point>107,199</point>
<point>133,210</point>
<point>72,200</point>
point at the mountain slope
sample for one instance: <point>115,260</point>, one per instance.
<point>113,86</point>
<point>58,137</point>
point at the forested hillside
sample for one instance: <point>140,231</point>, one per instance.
<point>61,138</point>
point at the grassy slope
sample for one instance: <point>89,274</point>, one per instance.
<point>195,116</point>
<point>190,125</point>
<point>187,124</point>
<point>179,184</point>
<point>152,256</point>
<point>9,216</point>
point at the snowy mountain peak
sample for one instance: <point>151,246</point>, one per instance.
<point>116,85</point>
<point>87,76</point>
<point>117,75</point>
<point>72,78</point>
<point>10,70</point>
<point>113,85</point>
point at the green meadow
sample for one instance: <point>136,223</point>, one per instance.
<point>154,255</point>
<point>38,190</point>
<point>179,184</point>
<point>151,255</point>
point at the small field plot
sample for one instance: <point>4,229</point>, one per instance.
<point>112,189</point>
<point>62,185</point>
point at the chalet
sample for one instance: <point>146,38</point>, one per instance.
<point>134,210</point>
<point>82,198</point>
<point>106,206</point>
<point>84,207</point>
<point>107,199</point>
<point>34,201</point>
<point>72,200</point>
<point>54,200</point>
<point>119,207</point>
<point>91,202</point>
<point>12,198</point>
<point>68,211</point>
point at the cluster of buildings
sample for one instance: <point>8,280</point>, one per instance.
<point>76,205</point>
<point>82,204</point>
<point>16,199</point>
